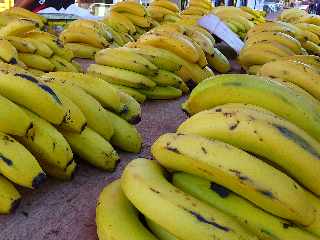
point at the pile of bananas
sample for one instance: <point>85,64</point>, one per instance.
<point>271,41</point>
<point>163,11</point>
<point>47,120</point>
<point>196,9</point>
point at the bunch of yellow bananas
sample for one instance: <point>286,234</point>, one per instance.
<point>47,119</point>
<point>196,9</point>
<point>163,11</point>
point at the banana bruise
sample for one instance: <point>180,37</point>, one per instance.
<point>121,76</point>
<point>113,207</point>
<point>18,164</point>
<point>264,225</point>
<point>126,137</point>
<point>96,87</point>
<point>124,59</point>
<point>259,131</point>
<point>158,231</point>
<point>158,93</point>
<point>303,75</point>
<point>82,50</point>
<point>295,106</point>
<point>132,114</point>
<point>218,61</point>
<point>237,170</point>
<point>62,64</point>
<point>144,184</point>
<point>46,143</point>
<point>93,148</point>
<point>91,108</point>
<point>132,92</point>
<point>27,91</point>
<point>9,196</point>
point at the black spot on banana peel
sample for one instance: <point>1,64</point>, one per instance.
<point>234,126</point>
<point>172,149</point>
<point>239,175</point>
<point>204,150</point>
<point>154,190</point>
<point>6,160</point>
<point>202,219</point>
<point>38,180</point>
<point>220,190</point>
<point>297,139</point>
<point>266,193</point>
<point>286,225</point>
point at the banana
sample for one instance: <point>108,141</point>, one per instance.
<point>204,42</point>
<point>274,27</point>
<point>126,37</point>
<point>99,89</point>
<point>8,52</point>
<point>301,74</point>
<point>158,231</point>
<point>121,23</point>
<point>42,48</point>
<point>93,148</point>
<point>125,59</point>
<point>126,137</point>
<point>253,69</point>
<point>315,227</point>
<point>170,18</point>
<point>166,4</point>
<point>203,31</point>
<point>264,225</point>
<point>232,11</point>
<point>312,47</point>
<point>311,19</point>
<point>169,27</point>
<point>18,26</point>
<point>113,207</point>
<point>9,196</point>
<point>121,76</point>
<point>202,62</point>
<point>90,26</point>
<point>93,39</point>
<point>27,91</point>
<point>309,27</point>
<point>310,37</point>
<point>162,93</point>
<point>37,62</point>
<point>78,66</point>
<point>292,15</point>
<point>310,59</point>
<point>61,174</point>
<point>62,64</point>
<point>116,37</point>
<point>35,72</point>
<point>46,143</point>
<point>91,108</point>
<point>138,20</point>
<point>158,12</point>
<point>22,45</point>
<point>279,37</point>
<point>132,92</point>
<point>82,50</point>
<point>260,132</point>
<point>251,57</point>
<point>9,68</point>
<point>237,170</point>
<point>201,4</point>
<point>132,114</point>
<point>245,23</point>
<point>218,61</point>
<point>129,7</point>
<point>193,10</point>
<point>270,46</point>
<point>174,42</point>
<point>18,164</point>
<point>23,13</point>
<point>165,78</point>
<point>144,184</point>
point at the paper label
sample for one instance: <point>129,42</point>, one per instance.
<point>214,25</point>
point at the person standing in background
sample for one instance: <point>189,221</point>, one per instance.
<point>37,5</point>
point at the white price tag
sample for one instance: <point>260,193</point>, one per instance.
<point>214,25</point>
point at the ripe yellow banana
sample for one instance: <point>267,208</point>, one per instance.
<point>138,20</point>
<point>264,225</point>
<point>29,92</point>
<point>202,4</point>
<point>132,92</point>
<point>292,15</point>
<point>22,45</point>
<point>260,132</point>
<point>158,231</point>
<point>301,74</point>
<point>9,196</point>
<point>166,4</point>
<point>194,10</point>
<point>17,27</point>
<point>202,62</point>
<point>296,106</point>
<point>162,92</point>
<point>237,170</point>
<point>18,164</point>
<point>271,46</point>
<point>91,108</point>
<point>61,174</point>
<point>93,148</point>
<point>251,57</point>
<point>165,78</point>
<point>114,207</point>
<point>158,12</point>
<point>274,27</point>
<point>204,42</point>
<point>98,88</point>
<point>132,113</point>
<point>121,76</point>
<point>62,64</point>
<point>46,143</point>
<point>24,13</point>
<point>315,227</point>
<point>82,50</point>
<point>42,48</point>
<point>126,137</point>
<point>218,61</point>
<point>8,52</point>
<point>120,23</point>
<point>144,184</point>
<point>309,27</point>
<point>307,59</point>
<point>37,62</point>
<point>129,7</point>
<point>93,39</point>
<point>311,48</point>
<point>125,59</point>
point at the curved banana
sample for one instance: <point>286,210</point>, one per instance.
<point>93,148</point>
<point>204,42</point>
<point>237,170</point>
<point>121,76</point>
<point>144,184</point>
<point>132,92</point>
<point>132,113</point>
<point>158,231</point>
<point>309,27</point>
<point>202,62</point>
<point>251,56</point>
<point>37,62</point>
<point>24,13</point>
<point>42,48</point>
<point>260,132</point>
<point>218,61</point>
<point>158,12</point>
<point>306,59</point>
<point>311,47</point>
<point>301,74</point>
<point>22,45</point>
<point>9,196</point>
<point>93,39</point>
<point>114,207</point>
<point>8,52</point>
<point>125,59</point>
<point>18,26</point>
<point>264,225</point>
<point>46,143</point>
<point>61,174</point>
<point>82,50</point>
<point>62,64</point>
<point>296,106</point>
<point>166,4</point>
<point>165,78</point>
<point>120,23</point>
<point>129,7</point>
<point>138,20</point>
<point>162,92</point>
<point>202,4</point>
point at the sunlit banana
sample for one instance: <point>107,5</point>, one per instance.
<point>158,12</point>
<point>112,207</point>
<point>22,45</point>
<point>309,27</point>
<point>218,61</point>
<point>132,92</point>
<point>311,18</point>
<point>145,185</point>
<point>37,62</point>
<point>294,105</point>
<point>121,76</point>
<point>24,13</point>
<point>8,52</point>
<point>82,50</point>
<point>9,196</point>
<point>264,225</point>
<point>166,4</point>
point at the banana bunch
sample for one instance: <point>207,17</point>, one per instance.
<point>196,9</point>
<point>163,11</point>
<point>292,15</point>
